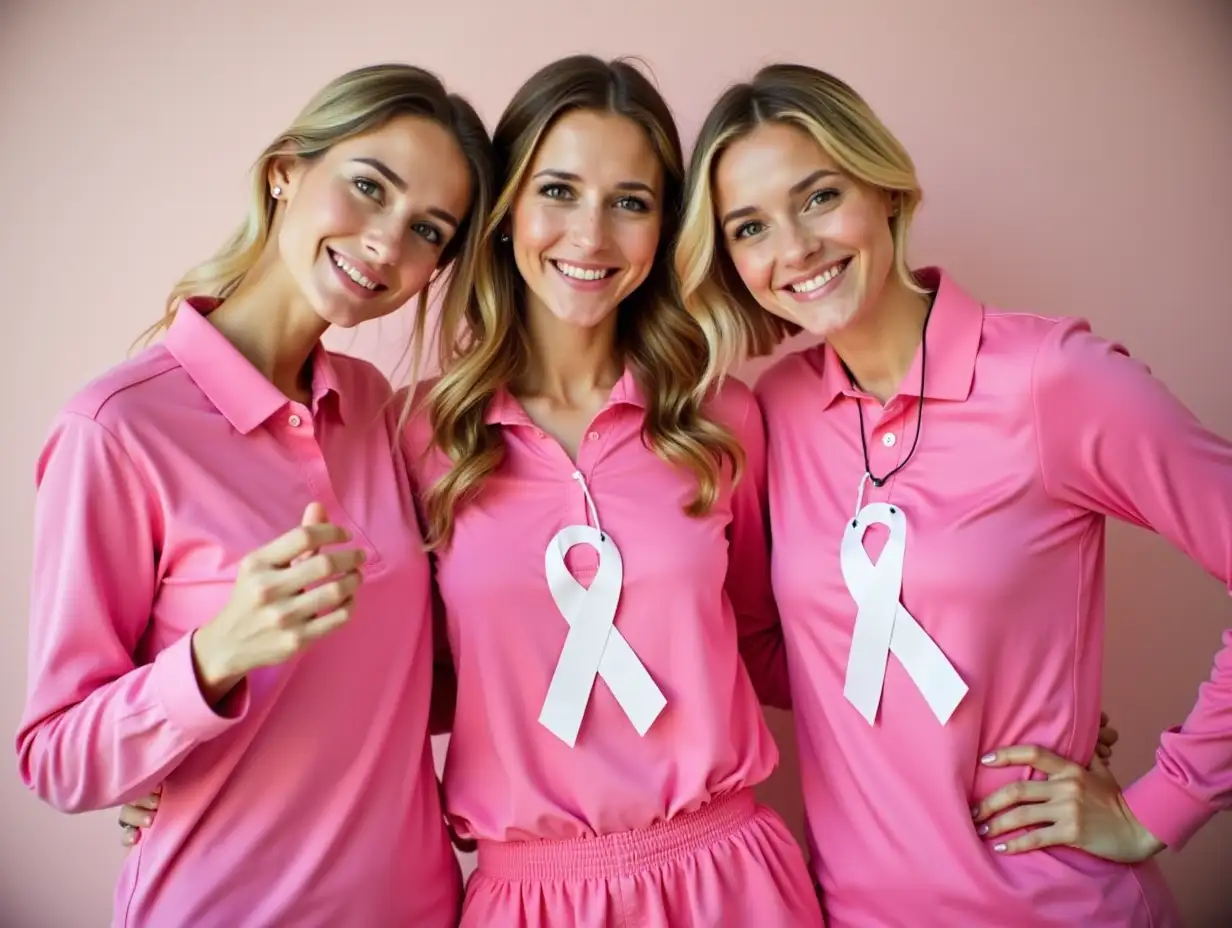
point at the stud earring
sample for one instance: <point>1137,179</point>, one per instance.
<point>504,237</point>
<point>277,191</point>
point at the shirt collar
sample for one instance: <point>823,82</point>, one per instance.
<point>237,389</point>
<point>954,330</point>
<point>506,410</point>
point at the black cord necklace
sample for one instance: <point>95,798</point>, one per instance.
<point>919,416</point>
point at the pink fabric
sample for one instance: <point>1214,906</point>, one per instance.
<point>507,778</point>
<point>310,798</point>
<point>730,863</point>
<point>1034,431</point>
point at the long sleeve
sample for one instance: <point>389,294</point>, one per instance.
<point>98,730</point>
<point>748,574</point>
<point>1114,440</point>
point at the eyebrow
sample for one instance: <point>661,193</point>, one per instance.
<point>383,169</point>
<point>796,188</point>
<point>575,178</point>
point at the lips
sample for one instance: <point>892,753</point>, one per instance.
<point>818,279</point>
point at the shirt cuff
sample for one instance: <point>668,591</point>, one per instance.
<point>1165,809</point>
<point>175,680</point>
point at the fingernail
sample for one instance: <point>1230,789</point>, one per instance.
<point>988,758</point>
<point>1000,848</point>
<point>983,830</point>
<point>975,810</point>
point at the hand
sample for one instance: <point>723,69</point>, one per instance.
<point>1108,736</point>
<point>287,595</point>
<point>138,815</point>
<point>1076,807</point>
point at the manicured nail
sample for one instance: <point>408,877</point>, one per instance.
<point>146,821</point>
<point>1000,848</point>
<point>983,830</point>
<point>988,758</point>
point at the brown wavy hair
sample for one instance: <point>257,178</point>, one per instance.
<point>483,341</point>
<point>848,130</point>
<point>352,104</point>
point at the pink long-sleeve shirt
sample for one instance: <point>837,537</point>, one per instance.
<point>696,597</point>
<point>1034,432</point>
<point>309,797</point>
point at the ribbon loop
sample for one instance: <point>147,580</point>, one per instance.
<point>884,626</point>
<point>593,646</point>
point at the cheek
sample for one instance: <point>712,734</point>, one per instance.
<point>536,228</point>
<point>639,244</point>
<point>754,267</point>
<point>316,214</point>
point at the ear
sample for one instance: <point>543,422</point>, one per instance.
<point>284,173</point>
<point>893,201</point>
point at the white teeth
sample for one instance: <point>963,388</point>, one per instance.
<point>353,273</point>
<point>581,273</point>
<point>820,280</point>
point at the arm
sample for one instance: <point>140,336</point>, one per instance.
<point>97,730</point>
<point>1114,440</point>
<point>748,571</point>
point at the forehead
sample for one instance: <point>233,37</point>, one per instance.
<point>601,148</point>
<point>422,152</point>
<point>762,166</point>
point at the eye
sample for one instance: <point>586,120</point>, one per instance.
<point>633,204</point>
<point>748,229</point>
<point>429,232</point>
<point>368,188</point>
<point>822,197</point>
<point>556,192</point>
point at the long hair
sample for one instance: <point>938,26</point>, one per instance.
<point>847,129</point>
<point>484,344</point>
<point>357,102</point>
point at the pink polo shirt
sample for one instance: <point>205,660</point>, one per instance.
<point>696,596</point>
<point>309,799</point>
<point>1034,432</point>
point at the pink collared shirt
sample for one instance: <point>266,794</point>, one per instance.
<point>1034,432</point>
<point>696,596</point>
<point>309,799</point>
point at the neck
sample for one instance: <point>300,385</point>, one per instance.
<point>271,325</point>
<point>569,363</point>
<point>879,348</point>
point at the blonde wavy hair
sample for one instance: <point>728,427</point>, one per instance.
<point>483,340</point>
<point>848,130</point>
<point>352,104</point>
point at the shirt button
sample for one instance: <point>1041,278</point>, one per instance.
<point>593,436</point>
<point>295,421</point>
<point>888,439</point>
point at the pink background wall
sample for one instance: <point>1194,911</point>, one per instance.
<point>1075,158</point>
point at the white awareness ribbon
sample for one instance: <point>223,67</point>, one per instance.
<point>883,624</point>
<point>593,645</point>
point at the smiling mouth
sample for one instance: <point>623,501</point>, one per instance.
<point>820,280</point>
<point>354,273</point>
<point>577,272</point>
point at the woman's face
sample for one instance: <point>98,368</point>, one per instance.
<point>585,225</point>
<point>363,226</point>
<point>812,245</point>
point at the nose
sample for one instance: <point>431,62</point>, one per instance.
<point>587,227</point>
<point>800,243</point>
<point>382,240</point>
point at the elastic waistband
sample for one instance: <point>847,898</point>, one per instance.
<point>621,854</point>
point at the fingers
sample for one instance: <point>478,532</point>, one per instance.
<point>315,569</point>
<point>314,514</point>
<point>1103,719</point>
<point>320,627</point>
<point>134,817</point>
<point>129,835</point>
<point>1018,818</point>
<point>1049,836</point>
<point>1031,755</point>
<point>283,550</point>
<point>322,599</point>
<point>1103,751</point>
<point>147,802</point>
<point>1012,795</point>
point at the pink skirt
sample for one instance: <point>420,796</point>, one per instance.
<point>730,864</point>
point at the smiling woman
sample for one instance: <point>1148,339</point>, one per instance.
<point>213,513</point>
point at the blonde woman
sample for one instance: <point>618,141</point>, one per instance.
<point>186,629</point>
<point>940,475</point>
<point>600,547</point>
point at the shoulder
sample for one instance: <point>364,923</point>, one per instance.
<point>127,389</point>
<point>791,376</point>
